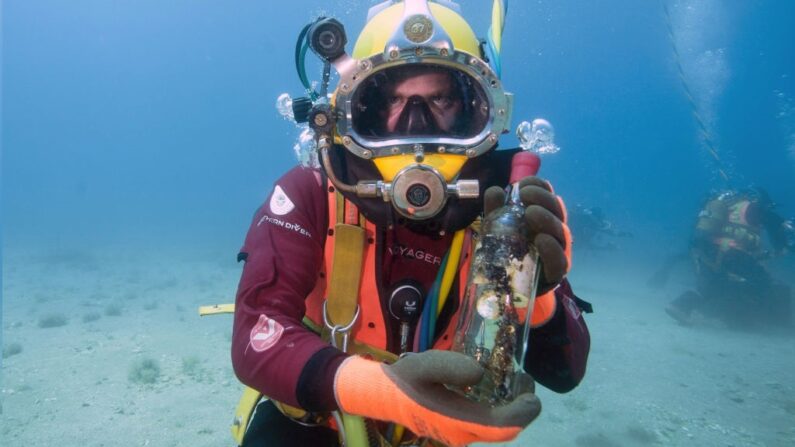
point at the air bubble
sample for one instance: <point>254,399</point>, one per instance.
<point>538,136</point>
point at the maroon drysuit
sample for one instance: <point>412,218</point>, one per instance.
<point>283,252</point>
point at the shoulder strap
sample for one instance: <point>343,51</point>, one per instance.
<point>341,306</point>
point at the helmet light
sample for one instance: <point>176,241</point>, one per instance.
<point>327,39</point>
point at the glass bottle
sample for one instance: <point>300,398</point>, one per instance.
<point>494,322</point>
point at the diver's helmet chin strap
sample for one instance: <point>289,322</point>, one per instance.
<point>417,192</point>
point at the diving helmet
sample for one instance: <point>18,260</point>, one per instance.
<point>416,101</point>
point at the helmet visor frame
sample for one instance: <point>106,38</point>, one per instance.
<point>485,106</point>
<point>422,101</point>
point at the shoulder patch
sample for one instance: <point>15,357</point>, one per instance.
<point>572,307</point>
<point>280,203</point>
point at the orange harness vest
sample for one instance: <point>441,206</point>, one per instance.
<point>738,233</point>
<point>370,328</point>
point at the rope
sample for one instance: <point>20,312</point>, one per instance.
<point>706,135</point>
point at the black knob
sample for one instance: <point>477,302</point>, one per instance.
<point>301,108</point>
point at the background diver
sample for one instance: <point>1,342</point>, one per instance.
<point>735,234</point>
<point>591,228</point>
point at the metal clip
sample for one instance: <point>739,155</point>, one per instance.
<point>338,328</point>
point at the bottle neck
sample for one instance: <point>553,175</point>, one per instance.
<point>513,197</point>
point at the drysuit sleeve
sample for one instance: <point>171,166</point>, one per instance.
<point>558,350</point>
<point>272,351</point>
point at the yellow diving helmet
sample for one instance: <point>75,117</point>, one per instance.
<point>417,98</point>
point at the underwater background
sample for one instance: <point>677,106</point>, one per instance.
<point>138,137</point>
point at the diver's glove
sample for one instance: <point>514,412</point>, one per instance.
<point>546,217</point>
<point>412,392</point>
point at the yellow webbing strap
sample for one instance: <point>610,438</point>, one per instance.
<point>358,348</point>
<point>245,407</point>
<point>216,309</point>
<point>342,292</point>
<point>250,397</point>
<point>339,201</point>
<point>290,411</point>
<point>346,273</point>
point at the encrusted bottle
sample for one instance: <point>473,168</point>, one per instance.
<point>494,322</point>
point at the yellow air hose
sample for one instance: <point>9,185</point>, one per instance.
<point>451,269</point>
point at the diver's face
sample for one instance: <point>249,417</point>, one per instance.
<point>436,89</point>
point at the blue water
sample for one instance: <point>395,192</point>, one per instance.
<point>123,118</point>
<point>150,125</point>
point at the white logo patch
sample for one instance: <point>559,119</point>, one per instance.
<point>572,307</point>
<point>280,203</point>
<point>265,334</point>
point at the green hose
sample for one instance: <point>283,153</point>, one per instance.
<point>355,431</point>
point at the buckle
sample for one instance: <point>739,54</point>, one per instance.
<point>338,328</point>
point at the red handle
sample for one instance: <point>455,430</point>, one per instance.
<point>524,164</point>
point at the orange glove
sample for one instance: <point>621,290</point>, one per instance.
<point>412,392</point>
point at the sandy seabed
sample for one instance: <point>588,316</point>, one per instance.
<point>77,323</point>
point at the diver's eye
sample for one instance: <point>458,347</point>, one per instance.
<point>441,101</point>
<point>395,101</point>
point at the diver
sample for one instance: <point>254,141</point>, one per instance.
<point>735,234</point>
<point>339,259</point>
<point>591,229</point>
